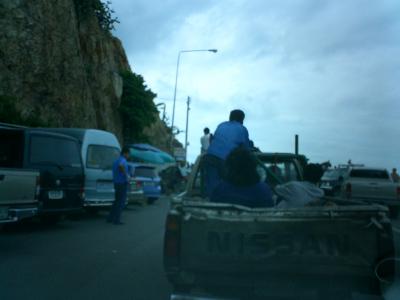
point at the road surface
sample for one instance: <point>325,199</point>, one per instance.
<point>86,258</point>
<point>91,259</point>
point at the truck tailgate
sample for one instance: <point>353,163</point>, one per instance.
<point>250,247</point>
<point>17,186</point>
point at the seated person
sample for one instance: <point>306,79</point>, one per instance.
<point>301,193</point>
<point>242,183</point>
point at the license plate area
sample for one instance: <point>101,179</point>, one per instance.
<point>104,186</point>
<point>56,195</point>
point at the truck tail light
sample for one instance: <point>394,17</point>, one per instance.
<point>172,239</point>
<point>348,190</point>
<point>37,191</point>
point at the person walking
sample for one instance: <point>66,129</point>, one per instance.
<point>228,136</point>
<point>205,140</point>
<point>120,178</point>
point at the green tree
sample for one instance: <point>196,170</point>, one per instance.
<point>101,10</point>
<point>137,108</point>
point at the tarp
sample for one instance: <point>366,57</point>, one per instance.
<point>149,154</point>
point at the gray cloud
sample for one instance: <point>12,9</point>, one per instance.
<point>327,70</point>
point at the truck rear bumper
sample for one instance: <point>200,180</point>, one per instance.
<point>17,214</point>
<point>98,203</point>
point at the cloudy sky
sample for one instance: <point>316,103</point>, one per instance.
<point>326,70</point>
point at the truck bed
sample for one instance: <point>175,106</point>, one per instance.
<point>225,247</point>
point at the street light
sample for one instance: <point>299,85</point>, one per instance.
<point>176,80</point>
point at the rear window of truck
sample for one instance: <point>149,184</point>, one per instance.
<point>378,174</point>
<point>49,150</point>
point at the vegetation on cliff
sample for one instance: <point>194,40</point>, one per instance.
<point>101,10</point>
<point>137,108</point>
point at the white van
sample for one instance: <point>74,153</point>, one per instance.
<point>99,149</point>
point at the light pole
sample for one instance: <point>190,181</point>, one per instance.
<point>176,81</point>
<point>187,126</point>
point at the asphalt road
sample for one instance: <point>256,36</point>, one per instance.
<point>91,259</point>
<point>86,258</point>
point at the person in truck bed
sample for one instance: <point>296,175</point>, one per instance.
<point>242,183</point>
<point>301,193</point>
<point>227,136</point>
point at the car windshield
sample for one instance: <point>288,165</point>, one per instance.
<point>331,175</point>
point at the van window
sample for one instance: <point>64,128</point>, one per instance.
<point>101,157</point>
<point>11,148</point>
<point>54,150</point>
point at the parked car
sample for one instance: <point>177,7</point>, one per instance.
<point>19,188</point>
<point>372,185</point>
<point>57,158</point>
<point>145,177</point>
<point>99,149</point>
<point>332,181</point>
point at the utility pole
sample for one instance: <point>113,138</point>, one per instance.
<point>187,126</point>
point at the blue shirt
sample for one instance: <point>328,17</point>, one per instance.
<point>118,176</point>
<point>257,195</point>
<point>228,136</point>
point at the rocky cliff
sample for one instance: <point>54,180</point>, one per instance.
<point>64,70</point>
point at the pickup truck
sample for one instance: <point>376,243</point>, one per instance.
<point>223,251</point>
<point>19,190</point>
<point>372,185</point>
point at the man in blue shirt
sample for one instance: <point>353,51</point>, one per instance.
<point>228,136</point>
<point>121,179</point>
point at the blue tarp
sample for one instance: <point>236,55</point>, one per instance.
<point>149,154</point>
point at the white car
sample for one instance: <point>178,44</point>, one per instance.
<point>373,185</point>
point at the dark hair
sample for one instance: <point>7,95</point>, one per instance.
<point>313,173</point>
<point>124,150</point>
<point>241,168</point>
<point>206,130</point>
<point>236,115</point>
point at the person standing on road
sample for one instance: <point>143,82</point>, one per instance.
<point>228,136</point>
<point>205,140</point>
<point>395,176</point>
<point>120,178</point>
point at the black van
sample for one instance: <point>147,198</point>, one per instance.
<point>58,159</point>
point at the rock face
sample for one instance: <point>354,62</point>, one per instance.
<point>62,69</point>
